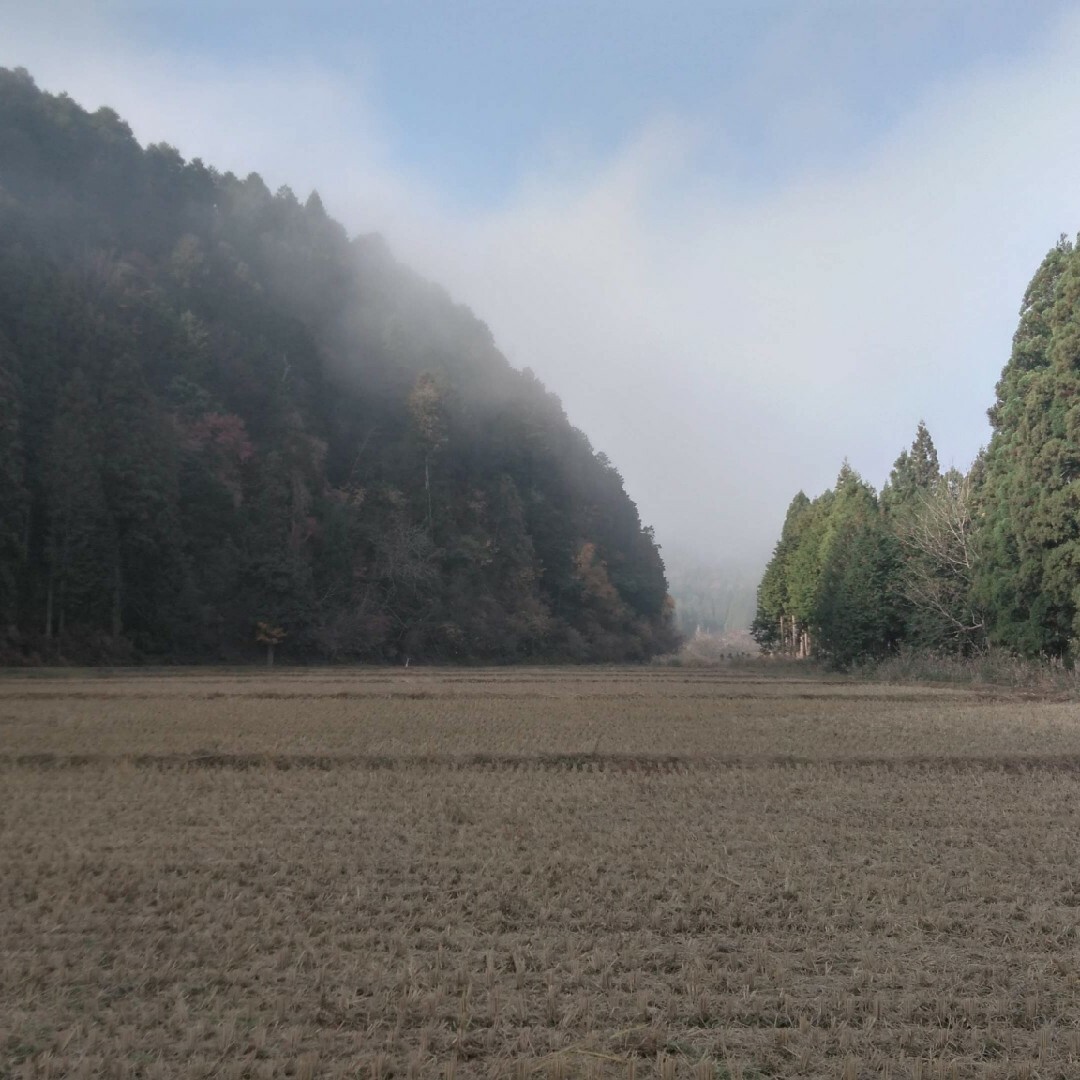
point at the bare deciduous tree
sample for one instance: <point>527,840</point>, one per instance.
<point>937,538</point>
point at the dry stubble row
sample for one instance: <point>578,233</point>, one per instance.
<point>402,714</point>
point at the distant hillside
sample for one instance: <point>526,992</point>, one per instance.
<point>712,597</point>
<point>217,411</point>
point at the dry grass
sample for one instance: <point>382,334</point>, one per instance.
<point>991,666</point>
<point>662,874</point>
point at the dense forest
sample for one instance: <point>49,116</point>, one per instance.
<point>225,425</point>
<point>953,561</point>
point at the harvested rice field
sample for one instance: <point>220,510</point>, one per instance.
<point>536,873</point>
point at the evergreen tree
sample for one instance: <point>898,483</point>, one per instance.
<point>82,537</point>
<point>774,602</point>
<point>854,615</point>
<point>915,472</point>
<point>1029,539</point>
<point>140,487</point>
<point>913,483</point>
<point>14,495</point>
<point>827,589</point>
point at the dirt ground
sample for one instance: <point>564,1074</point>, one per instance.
<point>551,873</point>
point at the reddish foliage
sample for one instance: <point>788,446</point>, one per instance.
<point>226,433</point>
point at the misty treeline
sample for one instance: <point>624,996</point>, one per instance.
<point>950,561</point>
<point>221,418</point>
<point>710,598</point>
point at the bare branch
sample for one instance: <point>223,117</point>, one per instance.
<point>937,538</point>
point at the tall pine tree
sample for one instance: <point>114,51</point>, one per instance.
<point>1028,576</point>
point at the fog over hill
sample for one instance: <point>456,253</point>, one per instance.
<point>225,424</point>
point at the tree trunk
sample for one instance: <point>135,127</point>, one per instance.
<point>427,488</point>
<point>269,655</point>
<point>49,608</point>
<point>117,612</point>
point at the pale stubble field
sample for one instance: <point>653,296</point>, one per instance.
<point>638,873</point>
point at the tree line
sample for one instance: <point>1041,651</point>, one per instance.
<point>950,560</point>
<point>227,425</point>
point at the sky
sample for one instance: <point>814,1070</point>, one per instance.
<point>742,241</point>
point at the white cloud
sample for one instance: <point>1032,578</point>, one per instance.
<point>723,348</point>
<point>729,350</point>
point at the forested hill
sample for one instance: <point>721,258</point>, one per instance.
<point>218,411</point>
